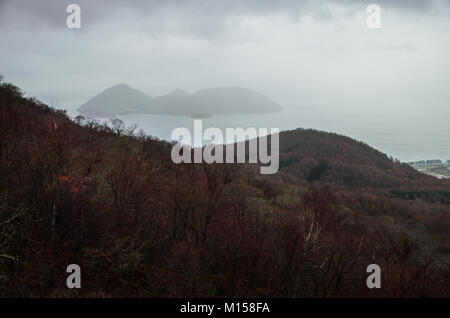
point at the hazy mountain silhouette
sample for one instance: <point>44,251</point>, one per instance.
<point>120,99</point>
<point>123,99</point>
<point>172,103</point>
<point>225,100</point>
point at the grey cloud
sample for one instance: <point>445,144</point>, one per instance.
<point>415,5</point>
<point>409,47</point>
<point>212,11</point>
<point>160,45</point>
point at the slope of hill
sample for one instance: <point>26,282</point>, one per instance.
<point>122,99</point>
<point>174,103</point>
<point>138,225</point>
<point>327,157</point>
<point>170,102</point>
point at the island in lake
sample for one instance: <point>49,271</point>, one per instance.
<point>123,99</point>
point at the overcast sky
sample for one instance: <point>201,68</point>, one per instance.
<point>299,53</point>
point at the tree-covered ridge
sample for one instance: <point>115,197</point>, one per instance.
<point>111,200</point>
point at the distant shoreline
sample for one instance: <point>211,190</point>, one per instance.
<point>435,167</point>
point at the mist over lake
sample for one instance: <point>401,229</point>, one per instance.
<point>406,137</point>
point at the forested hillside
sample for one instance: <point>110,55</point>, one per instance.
<point>110,200</point>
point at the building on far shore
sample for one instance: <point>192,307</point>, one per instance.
<point>417,163</point>
<point>429,163</point>
<point>434,162</point>
<point>436,168</point>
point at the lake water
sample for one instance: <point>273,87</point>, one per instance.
<point>405,137</point>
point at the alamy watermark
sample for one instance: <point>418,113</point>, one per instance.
<point>74,19</point>
<point>374,16</point>
<point>255,140</point>
<point>74,279</point>
<point>373,19</point>
<point>374,279</point>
